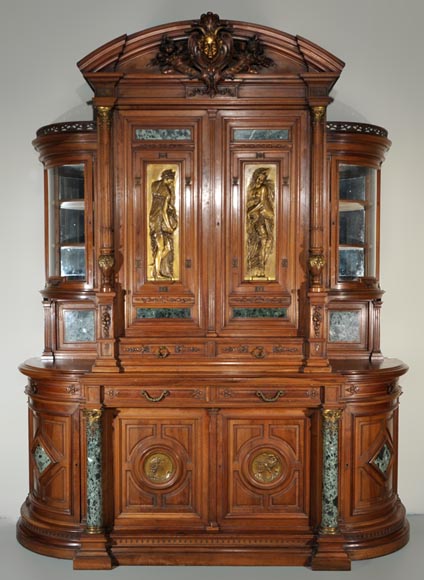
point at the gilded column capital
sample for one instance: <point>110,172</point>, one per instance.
<point>93,417</point>
<point>331,418</point>
<point>104,115</point>
<point>318,113</point>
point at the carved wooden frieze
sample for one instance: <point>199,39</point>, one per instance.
<point>211,54</point>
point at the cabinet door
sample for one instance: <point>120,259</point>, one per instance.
<point>54,460</point>
<point>261,235</point>
<point>374,466</point>
<point>163,234</point>
<point>161,467</point>
<point>264,471</point>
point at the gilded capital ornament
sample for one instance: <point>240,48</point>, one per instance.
<point>318,113</point>
<point>104,114</point>
<point>92,416</point>
<point>331,418</point>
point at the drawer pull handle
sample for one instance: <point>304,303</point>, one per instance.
<point>161,397</point>
<point>163,352</point>
<point>273,399</point>
<point>258,352</point>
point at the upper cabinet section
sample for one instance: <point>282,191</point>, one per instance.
<point>67,151</point>
<point>356,152</point>
<point>210,210</point>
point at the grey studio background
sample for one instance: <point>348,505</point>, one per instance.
<point>382,45</point>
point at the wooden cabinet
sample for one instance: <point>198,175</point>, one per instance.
<point>212,388</point>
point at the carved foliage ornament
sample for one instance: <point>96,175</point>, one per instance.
<point>211,54</point>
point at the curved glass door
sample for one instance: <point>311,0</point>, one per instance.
<point>357,224</point>
<point>66,222</point>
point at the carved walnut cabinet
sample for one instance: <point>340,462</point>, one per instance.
<point>212,389</point>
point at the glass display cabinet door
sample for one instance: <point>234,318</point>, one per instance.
<point>66,222</point>
<point>357,222</point>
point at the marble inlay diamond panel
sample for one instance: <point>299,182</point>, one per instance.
<point>382,461</point>
<point>42,460</point>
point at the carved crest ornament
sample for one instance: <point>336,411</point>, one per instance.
<point>211,54</point>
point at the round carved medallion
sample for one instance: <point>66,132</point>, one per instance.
<point>266,466</point>
<point>159,467</point>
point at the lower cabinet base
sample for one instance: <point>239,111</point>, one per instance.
<point>262,471</point>
<point>105,551</point>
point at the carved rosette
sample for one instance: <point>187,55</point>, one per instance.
<point>211,54</point>
<point>93,418</point>
<point>330,476</point>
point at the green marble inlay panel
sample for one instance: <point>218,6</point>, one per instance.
<point>259,312</point>
<point>330,484</point>
<point>79,325</point>
<point>261,134</point>
<point>42,460</point>
<point>163,134</point>
<point>345,326</point>
<point>382,461</point>
<point>94,475</point>
<point>163,313</point>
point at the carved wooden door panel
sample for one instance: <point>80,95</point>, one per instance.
<point>161,469</point>
<point>52,458</point>
<point>264,469</point>
<point>374,467</point>
<point>261,237</point>
<point>163,234</point>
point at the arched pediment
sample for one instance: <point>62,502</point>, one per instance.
<point>210,50</point>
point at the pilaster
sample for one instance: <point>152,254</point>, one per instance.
<point>330,554</point>
<point>316,355</point>
<point>93,553</point>
<point>106,359</point>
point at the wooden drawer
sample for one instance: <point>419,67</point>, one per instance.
<point>53,390</point>
<point>269,396</point>
<point>260,350</point>
<point>162,350</point>
<point>155,396</point>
